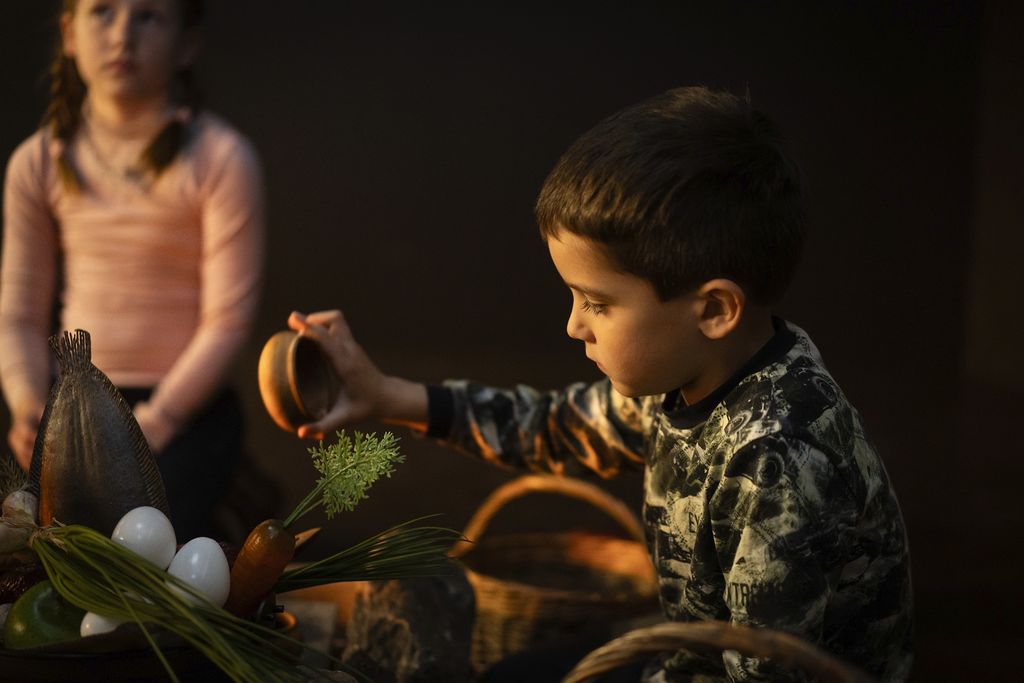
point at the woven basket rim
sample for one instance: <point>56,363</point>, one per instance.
<point>560,594</point>
<point>551,542</point>
<point>512,613</point>
<point>644,586</point>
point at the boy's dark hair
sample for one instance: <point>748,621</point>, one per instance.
<point>687,186</point>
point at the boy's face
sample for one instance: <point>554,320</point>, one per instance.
<point>645,346</point>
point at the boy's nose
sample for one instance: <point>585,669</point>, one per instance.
<point>576,329</point>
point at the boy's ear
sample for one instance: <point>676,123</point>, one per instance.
<point>722,302</point>
<point>67,34</point>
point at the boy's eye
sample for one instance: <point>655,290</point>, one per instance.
<point>591,307</point>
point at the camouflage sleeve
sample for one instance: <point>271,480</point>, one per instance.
<point>782,521</point>
<point>584,427</point>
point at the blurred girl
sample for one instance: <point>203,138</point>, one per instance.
<point>143,217</point>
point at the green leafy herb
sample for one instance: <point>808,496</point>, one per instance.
<point>349,467</point>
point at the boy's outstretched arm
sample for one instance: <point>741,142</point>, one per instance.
<point>366,392</point>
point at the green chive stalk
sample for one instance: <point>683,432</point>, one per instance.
<point>98,575</point>
<point>401,552</point>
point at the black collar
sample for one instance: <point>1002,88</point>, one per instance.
<point>687,417</point>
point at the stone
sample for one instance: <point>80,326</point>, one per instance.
<point>413,630</point>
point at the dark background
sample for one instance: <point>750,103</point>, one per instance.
<point>404,145</point>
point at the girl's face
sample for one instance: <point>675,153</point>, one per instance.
<point>127,50</point>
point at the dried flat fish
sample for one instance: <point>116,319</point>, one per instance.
<point>91,463</point>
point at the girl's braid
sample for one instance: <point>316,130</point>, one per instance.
<point>64,114</point>
<point>166,145</point>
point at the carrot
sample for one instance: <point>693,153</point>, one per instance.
<point>266,552</point>
<point>348,468</point>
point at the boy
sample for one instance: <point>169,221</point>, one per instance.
<point>676,224</point>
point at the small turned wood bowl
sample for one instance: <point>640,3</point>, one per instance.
<point>297,383</point>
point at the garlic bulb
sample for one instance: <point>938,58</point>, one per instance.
<point>18,520</point>
<point>20,507</point>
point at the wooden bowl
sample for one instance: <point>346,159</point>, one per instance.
<point>297,383</point>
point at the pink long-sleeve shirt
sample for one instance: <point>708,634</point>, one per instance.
<point>164,275</point>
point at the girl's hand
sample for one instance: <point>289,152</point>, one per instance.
<point>157,429</point>
<point>24,427</point>
<point>366,392</point>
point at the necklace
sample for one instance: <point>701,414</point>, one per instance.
<point>133,173</point>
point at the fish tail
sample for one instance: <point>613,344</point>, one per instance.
<point>73,350</point>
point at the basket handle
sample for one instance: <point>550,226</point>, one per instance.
<point>785,649</point>
<point>532,483</point>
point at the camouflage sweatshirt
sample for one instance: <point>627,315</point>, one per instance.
<point>765,504</point>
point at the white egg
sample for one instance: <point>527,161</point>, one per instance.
<point>94,624</point>
<point>147,532</point>
<point>201,564</point>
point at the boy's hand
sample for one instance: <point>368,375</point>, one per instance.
<point>366,392</point>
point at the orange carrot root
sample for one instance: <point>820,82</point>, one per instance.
<point>260,563</point>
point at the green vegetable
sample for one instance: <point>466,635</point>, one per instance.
<point>401,552</point>
<point>349,468</point>
<point>97,574</point>
<point>40,617</point>
<point>93,572</point>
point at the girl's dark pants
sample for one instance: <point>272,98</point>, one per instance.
<point>197,464</point>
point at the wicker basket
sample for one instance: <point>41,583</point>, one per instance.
<point>785,649</point>
<point>536,589</point>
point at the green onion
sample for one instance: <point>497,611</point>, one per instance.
<point>98,575</point>
<point>401,552</point>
